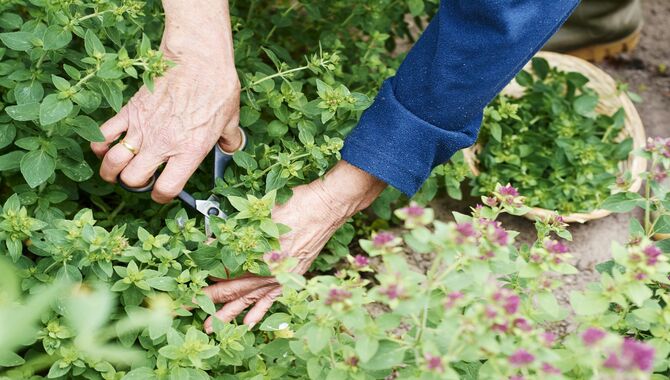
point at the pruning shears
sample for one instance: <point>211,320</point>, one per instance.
<point>207,207</point>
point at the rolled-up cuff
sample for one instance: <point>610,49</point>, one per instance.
<point>396,146</point>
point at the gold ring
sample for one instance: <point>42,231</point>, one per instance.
<point>131,148</point>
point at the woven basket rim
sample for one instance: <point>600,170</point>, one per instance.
<point>606,88</point>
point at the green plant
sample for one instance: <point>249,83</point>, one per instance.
<point>550,143</point>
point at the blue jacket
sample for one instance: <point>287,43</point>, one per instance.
<point>433,106</point>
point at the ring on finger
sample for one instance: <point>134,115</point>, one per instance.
<point>128,146</point>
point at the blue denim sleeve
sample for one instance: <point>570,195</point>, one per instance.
<point>433,106</point>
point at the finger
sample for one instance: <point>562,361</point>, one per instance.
<point>111,130</point>
<point>229,290</point>
<point>232,309</point>
<point>117,158</point>
<point>232,138</point>
<point>261,307</point>
<point>140,169</point>
<point>174,177</point>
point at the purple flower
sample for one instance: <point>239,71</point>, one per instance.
<point>549,338</point>
<point>640,354</point>
<point>466,229</point>
<point>490,201</point>
<point>352,361</point>
<point>500,236</point>
<point>361,261</point>
<point>337,295</point>
<point>521,358</point>
<point>522,324</point>
<point>511,304</point>
<point>612,362</point>
<point>382,238</point>
<point>452,298</point>
<point>508,190</point>
<point>550,369</point>
<point>414,210</point>
<point>274,257</point>
<point>659,174</point>
<point>393,291</point>
<point>434,363</point>
<point>652,252</point>
<point>555,246</point>
<point>592,336</point>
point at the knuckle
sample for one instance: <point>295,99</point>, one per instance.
<point>115,158</point>
<point>163,192</point>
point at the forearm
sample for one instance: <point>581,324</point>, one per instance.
<point>199,28</point>
<point>433,106</point>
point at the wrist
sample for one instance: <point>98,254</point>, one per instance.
<point>198,30</point>
<point>352,186</point>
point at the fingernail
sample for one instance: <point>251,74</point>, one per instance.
<point>251,325</point>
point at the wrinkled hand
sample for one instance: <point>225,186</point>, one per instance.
<point>314,213</point>
<point>192,106</point>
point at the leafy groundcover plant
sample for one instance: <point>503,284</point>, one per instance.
<point>98,283</point>
<point>550,143</point>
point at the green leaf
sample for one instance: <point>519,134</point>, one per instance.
<point>7,134</point>
<point>548,303</point>
<point>638,292</point>
<point>205,304</point>
<point>20,41</point>
<point>540,67</point>
<point>112,94</point>
<point>585,104</point>
<point>366,347</point>
<point>37,166</point>
<point>248,116</point>
<point>623,202</point>
<point>87,128</point>
<point>245,160</point>
<point>416,7</point>
<point>389,355</point>
<point>54,109</point>
<point>11,160</point>
<point>61,83</point>
<point>92,44</point>
<point>276,322</point>
<point>588,303</point>
<point>318,337</point>
<point>166,284</point>
<point>24,112</point>
<point>28,92</point>
<point>524,79</point>
<point>56,37</point>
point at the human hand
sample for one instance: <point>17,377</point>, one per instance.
<point>194,105</point>
<point>314,213</point>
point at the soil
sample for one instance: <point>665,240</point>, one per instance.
<point>647,71</point>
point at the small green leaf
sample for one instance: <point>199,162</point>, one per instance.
<point>585,104</point>
<point>623,202</point>
<point>20,41</point>
<point>245,160</point>
<point>92,44</point>
<point>87,128</point>
<point>56,37</point>
<point>24,112</point>
<point>54,109</point>
<point>37,166</point>
<point>540,67</point>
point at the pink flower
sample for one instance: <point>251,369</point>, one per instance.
<point>382,238</point>
<point>592,336</point>
<point>466,229</point>
<point>555,246</point>
<point>337,295</point>
<point>652,252</point>
<point>641,355</point>
<point>612,362</point>
<point>522,324</point>
<point>521,358</point>
<point>393,291</point>
<point>452,298</point>
<point>352,361</point>
<point>508,190</point>
<point>434,363</point>
<point>550,369</point>
<point>549,338</point>
<point>274,257</point>
<point>511,304</point>
<point>414,210</point>
<point>490,201</point>
<point>361,261</point>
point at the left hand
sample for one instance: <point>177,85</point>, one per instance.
<point>314,213</point>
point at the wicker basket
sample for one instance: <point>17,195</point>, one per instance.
<point>610,102</point>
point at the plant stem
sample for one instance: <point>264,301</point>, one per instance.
<point>95,14</point>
